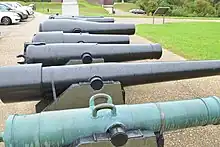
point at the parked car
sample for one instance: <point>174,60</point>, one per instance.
<point>137,11</point>
<point>22,14</point>
<point>17,5</point>
<point>7,18</point>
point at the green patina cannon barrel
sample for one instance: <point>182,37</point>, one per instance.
<point>33,82</point>
<point>60,54</point>
<point>60,37</point>
<point>60,128</point>
<point>79,26</point>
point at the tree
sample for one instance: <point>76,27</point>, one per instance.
<point>217,6</point>
<point>183,7</point>
<point>204,8</point>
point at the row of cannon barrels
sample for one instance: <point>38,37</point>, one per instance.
<point>70,50</point>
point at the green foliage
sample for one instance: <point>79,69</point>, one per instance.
<point>125,6</point>
<point>192,40</point>
<point>183,7</point>
<point>142,4</point>
<point>85,8</point>
<point>217,6</point>
<point>204,8</point>
<point>179,11</point>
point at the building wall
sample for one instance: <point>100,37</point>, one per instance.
<point>108,2</point>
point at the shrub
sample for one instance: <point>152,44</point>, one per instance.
<point>179,12</point>
<point>204,8</point>
<point>217,6</point>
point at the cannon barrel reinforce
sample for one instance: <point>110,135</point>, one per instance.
<point>78,26</point>
<point>34,82</point>
<point>93,19</point>
<point>60,54</point>
<point>51,129</point>
<point>60,37</point>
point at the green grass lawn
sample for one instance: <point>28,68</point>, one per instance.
<point>199,40</point>
<point>89,9</point>
<point>42,7</point>
<point>85,8</point>
<point>125,6</point>
<point>53,7</point>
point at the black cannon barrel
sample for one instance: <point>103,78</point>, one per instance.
<point>81,16</point>
<point>60,37</point>
<point>79,26</point>
<point>93,19</point>
<point>60,54</point>
<point>33,82</point>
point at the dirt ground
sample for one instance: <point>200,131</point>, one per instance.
<point>12,45</point>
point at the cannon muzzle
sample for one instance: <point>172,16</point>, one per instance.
<point>93,19</point>
<point>60,54</point>
<point>79,26</point>
<point>60,37</point>
<point>82,123</point>
<point>33,82</point>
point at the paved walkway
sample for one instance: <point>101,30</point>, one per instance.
<point>158,20</point>
<point>70,7</point>
<point>10,46</point>
<point>208,136</point>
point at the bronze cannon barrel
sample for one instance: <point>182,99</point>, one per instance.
<point>80,126</point>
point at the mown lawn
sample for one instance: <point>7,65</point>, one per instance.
<point>85,8</point>
<point>198,40</point>
<point>89,9</point>
<point>43,7</point>
<point>53,7</point>
<point>126,6</point>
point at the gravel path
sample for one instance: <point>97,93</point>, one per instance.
<point>12,44</point>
